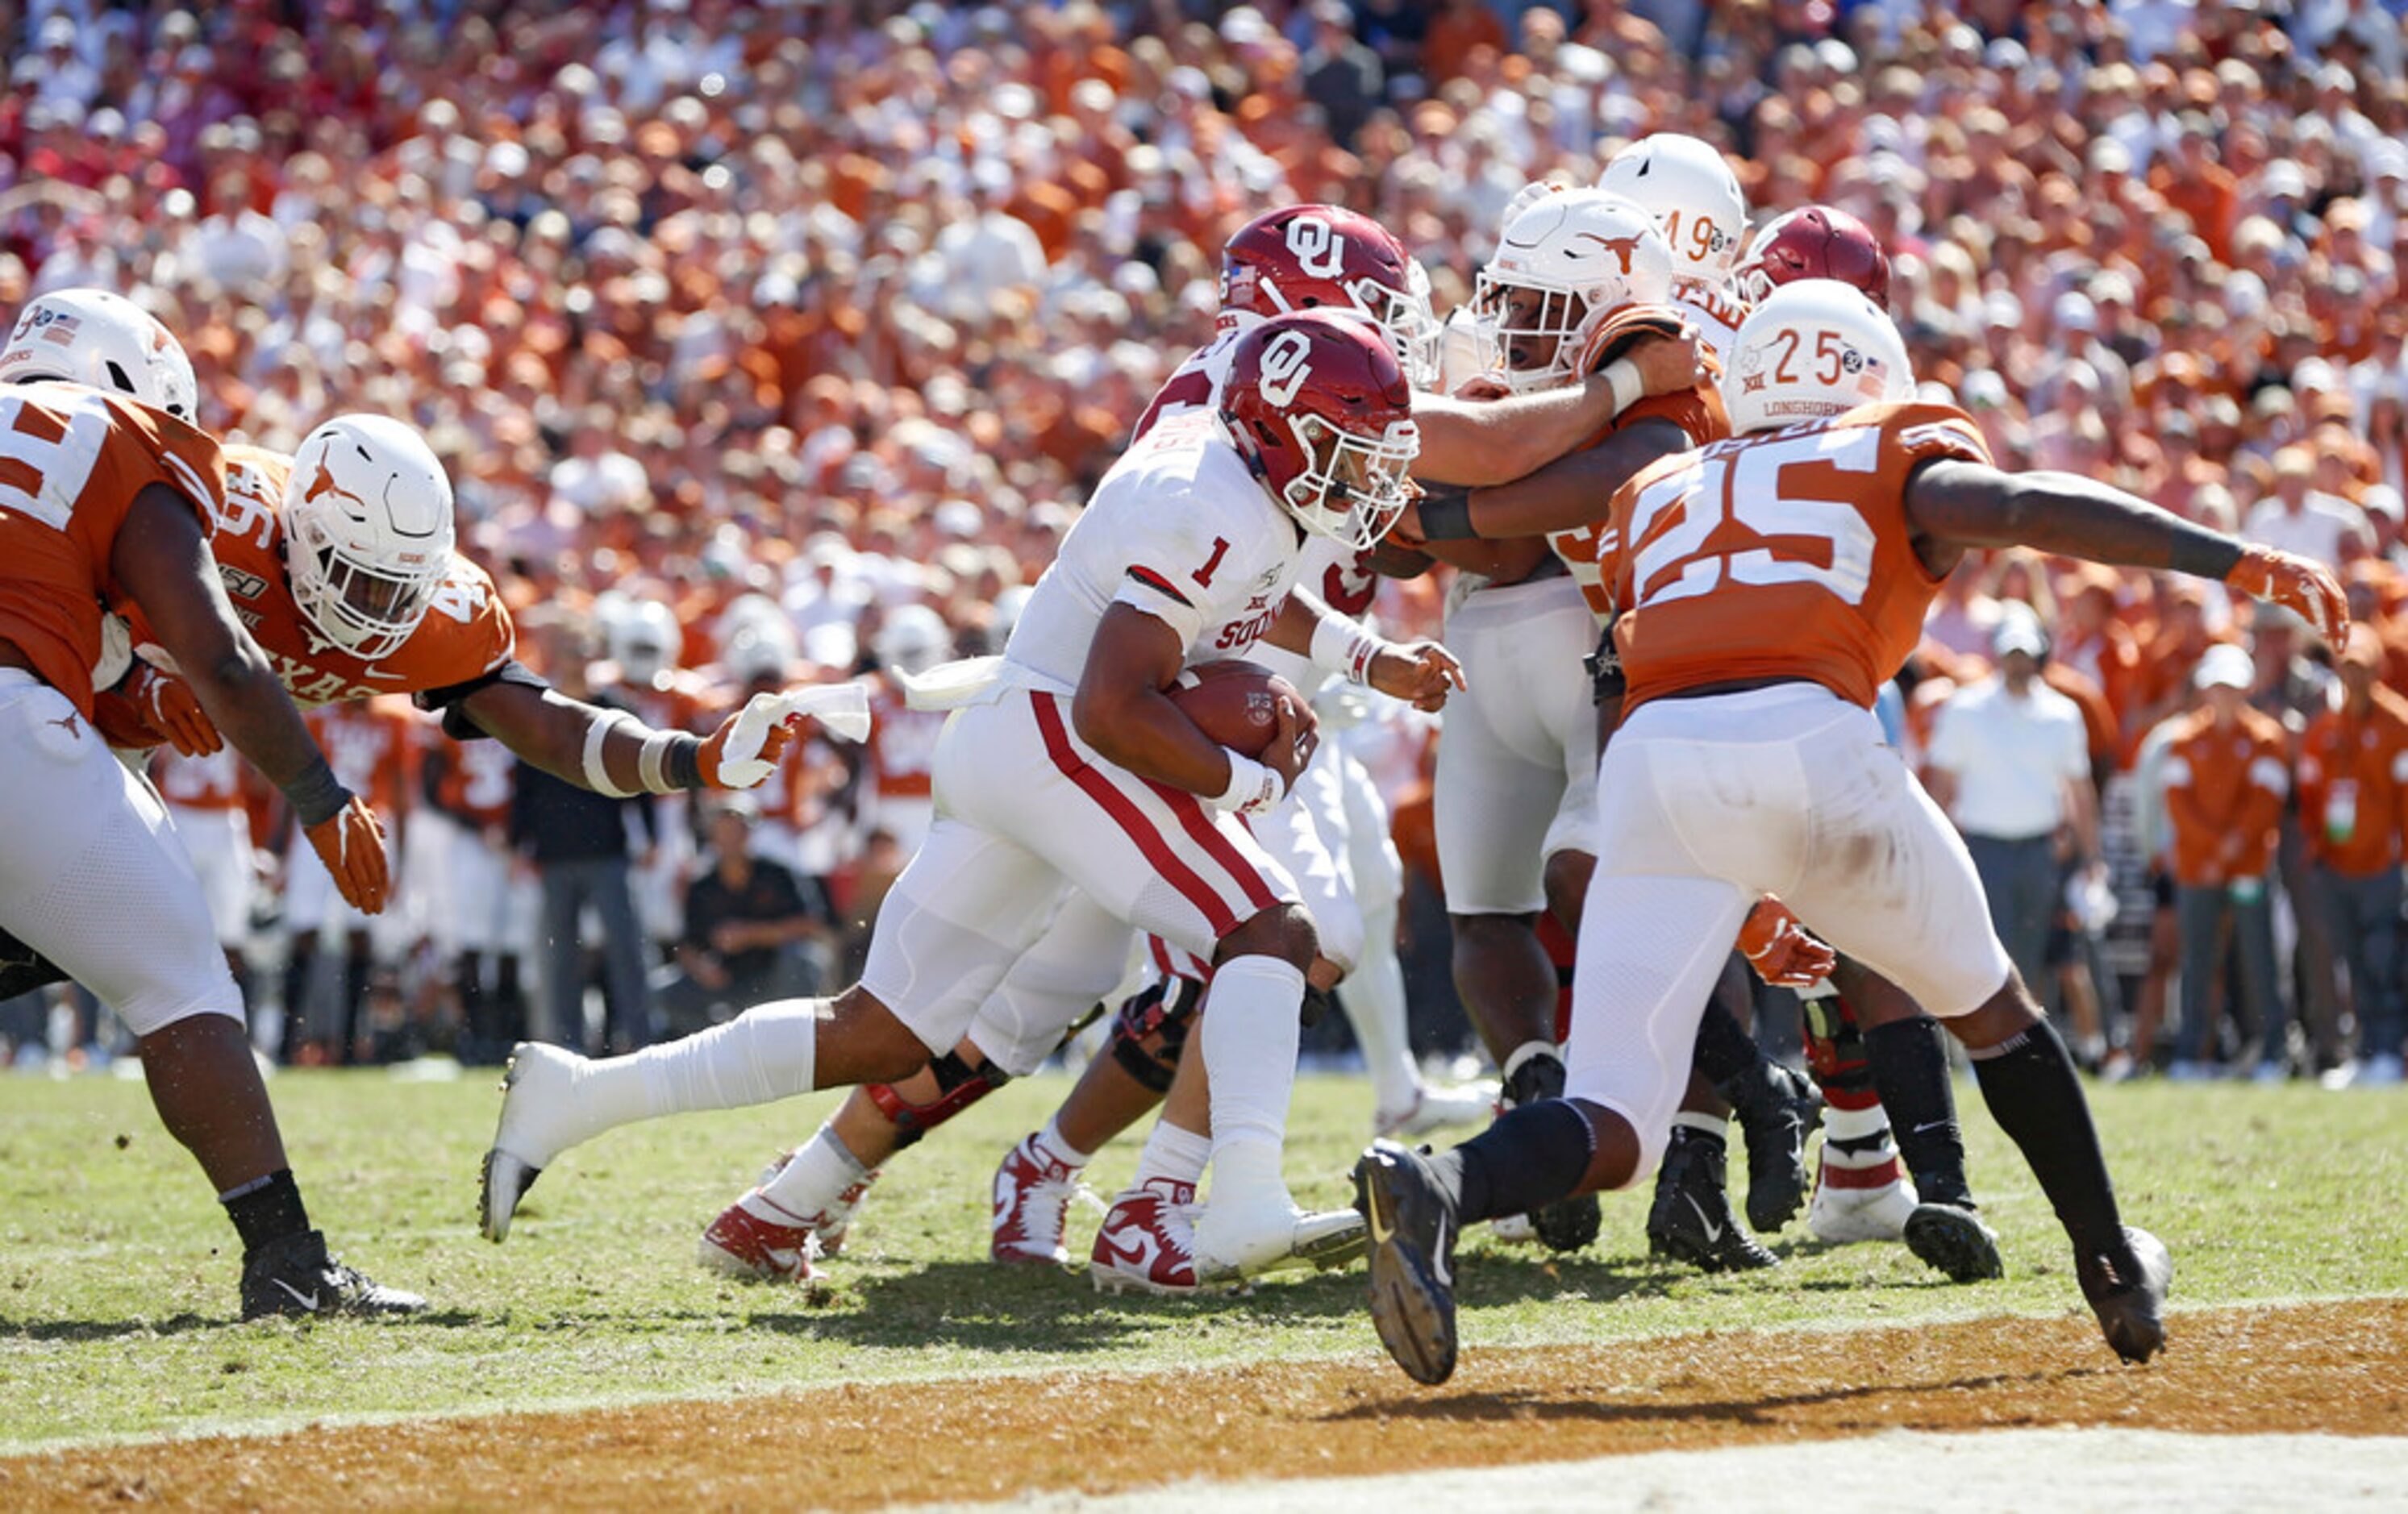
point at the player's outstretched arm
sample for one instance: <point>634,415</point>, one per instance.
<point>1954,506</point>
<point>1572,491</point>
<point>1483,442</point>
<point>611,752</point>
<point>161,558</point>
<point>1421,673</point>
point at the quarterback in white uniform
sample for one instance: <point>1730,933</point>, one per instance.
<point>1072,769</point>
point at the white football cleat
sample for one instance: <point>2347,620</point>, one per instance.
<point>539,1120</point>
<point>1240,1239</point>
<point>1845,1216</point>
<point>744,1245</point>
<point>1438,1107</point>
<point>1032,1193</point>
<point>1148,1241</point>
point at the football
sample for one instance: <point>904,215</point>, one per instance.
<point>1236,703</point>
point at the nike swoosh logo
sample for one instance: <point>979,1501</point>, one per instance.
<point>308,1301</point>
<point>1931,1124</point>
<point>1714,1230</point>
<point>1381,1228</point>
<point>1136,1256</point>
<point>1438,1259</point>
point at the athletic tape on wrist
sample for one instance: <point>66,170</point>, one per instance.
<point>1253,786</point>
<point>597,774</point>
<point>1622,377</point>
<point>1341,646</point>
<point>667,757</point>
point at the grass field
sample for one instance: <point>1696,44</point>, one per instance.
<point>116,1281</point>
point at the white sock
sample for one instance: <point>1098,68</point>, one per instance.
<point>1373,997</point>
<point>1717,1126</point>
<point>1174,1153</point>
<point>1250,1035</point>
<point>1050,1145</point>
<point>765,1053</point>
<point>811,1182</point>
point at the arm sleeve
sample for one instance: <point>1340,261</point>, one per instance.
<point>446,700</point>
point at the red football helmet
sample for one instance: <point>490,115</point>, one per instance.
<point>1319,407</point>
<point>1816,241</point>
<point>1313,257</point>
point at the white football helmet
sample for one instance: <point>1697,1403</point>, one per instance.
<point>1566,260</point>
<point>367,532</point>
<point>1690,190</point>
<point>1814,348</point>
<point>912,640</point>
<point>107,341</point>
<point>644,639</point>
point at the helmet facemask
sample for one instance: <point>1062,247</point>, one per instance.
<point>1517,321</point>
<point>1355,487</point>
<point>368,607</point>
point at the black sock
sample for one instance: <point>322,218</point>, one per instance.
<point>1725,1049</point>
<point>1531,1157</point>
<point>2028,1082</point>
<point>1910,1068</point>
<point>266,1210</point>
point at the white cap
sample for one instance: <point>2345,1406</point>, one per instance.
<point>2225,666</point>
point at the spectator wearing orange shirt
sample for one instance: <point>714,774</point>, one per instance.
<point>2226,777</point>
<point>2353,770</point>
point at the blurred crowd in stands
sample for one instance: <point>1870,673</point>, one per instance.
<point>777,323</point>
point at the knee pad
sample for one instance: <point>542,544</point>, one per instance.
<point>959,1085</point>
<point>1151,1030</point>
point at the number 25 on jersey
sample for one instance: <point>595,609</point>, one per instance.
<point>1778,510</point>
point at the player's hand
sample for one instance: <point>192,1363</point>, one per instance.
<point>1298,732</point>
<point>1421,673</point>
<point>1481,386</point>
<point>1781,950</point>
<point>2305,588</point>
<point>749,744</point>
<point>166,705</point>
<point>350,843</point>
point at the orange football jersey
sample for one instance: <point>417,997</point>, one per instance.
<point>1781,555</point>
<point>71,461</point>
<point>474,781</point>
<point>1698,412</point>
<point>211,782</point>
<point>369,746</point>
<point>466,633</point>
<point>902,744</point>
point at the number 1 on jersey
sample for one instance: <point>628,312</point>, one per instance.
<point>1203,576</point>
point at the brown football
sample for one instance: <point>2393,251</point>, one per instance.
<point>1235,703</point>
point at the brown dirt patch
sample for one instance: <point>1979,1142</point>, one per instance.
<point>2339,1368</point>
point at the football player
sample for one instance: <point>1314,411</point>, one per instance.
<point>1068,768</point>
<point>1298,258</point>
<point>1770,585</point>
<point>106,490</point>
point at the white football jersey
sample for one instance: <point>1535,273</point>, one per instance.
<point>1194,384</point>
<point>1179,529</point>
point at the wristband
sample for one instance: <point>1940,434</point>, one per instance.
<point>1342,647</point>
<point>1253,786</point>
<point>1446,514</point>
<point>1622,377</point>
<point>597,774</point>
<point>671,760</point>
<point>317,796</point>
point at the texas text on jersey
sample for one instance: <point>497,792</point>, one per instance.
<point>72,461</point>
<point>465,635</point>
<point>1697,410</point>
<point>1803,538</point>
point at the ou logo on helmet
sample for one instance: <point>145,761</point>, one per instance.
<point>1286,364</point>
<point>1319,249</point>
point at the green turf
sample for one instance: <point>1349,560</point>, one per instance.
<point>116,1281</point>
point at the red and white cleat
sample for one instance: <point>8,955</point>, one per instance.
<point>838,1218</point>
<point>1032,1195</point>
<point>1148,1241</point>
<point>745,1245</point>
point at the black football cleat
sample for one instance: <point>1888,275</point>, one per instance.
<point>1691,1219</point>
<point>294,1276</point>
<point>1412,1221</point>
<point>1952,1239</point>
<point>1777,1110</point>
<point>2129,1301</point>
